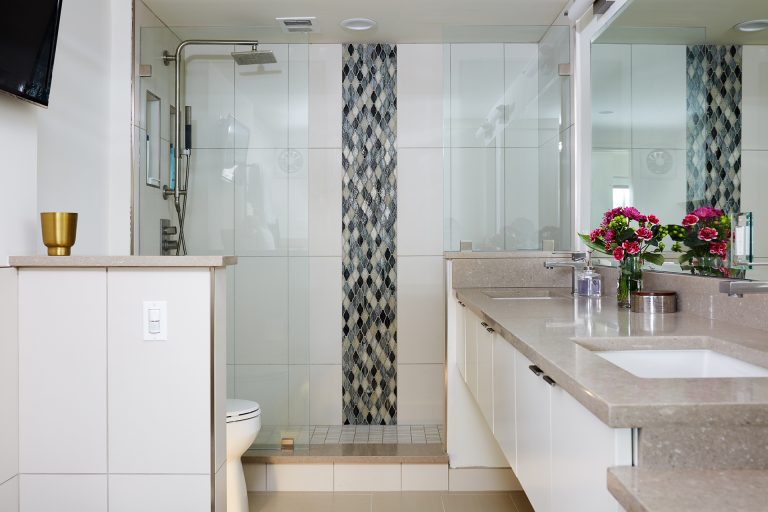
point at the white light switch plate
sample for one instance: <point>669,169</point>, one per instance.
<point>162,332</point>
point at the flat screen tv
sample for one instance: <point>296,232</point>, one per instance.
<point>28,31</point>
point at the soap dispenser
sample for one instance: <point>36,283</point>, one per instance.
<point>588,281</point>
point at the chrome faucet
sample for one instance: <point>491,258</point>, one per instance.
<point>578,262</point>
<point>739,288</point>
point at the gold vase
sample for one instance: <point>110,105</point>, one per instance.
<point>59,230</point>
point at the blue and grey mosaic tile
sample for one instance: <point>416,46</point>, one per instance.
<point>369,346</point>
<point>714,127</point>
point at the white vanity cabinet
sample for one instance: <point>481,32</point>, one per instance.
<point>559,450</point>
<point>461,339</point>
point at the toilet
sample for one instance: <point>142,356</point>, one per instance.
<point>243,424</point>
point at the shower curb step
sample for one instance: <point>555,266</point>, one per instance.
<point>352,454</point>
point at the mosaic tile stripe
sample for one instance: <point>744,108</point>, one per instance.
<point>714,127</point>
<point>369,346</point>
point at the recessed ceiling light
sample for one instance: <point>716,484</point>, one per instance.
<point>752,26</point>
<point>358,24</point>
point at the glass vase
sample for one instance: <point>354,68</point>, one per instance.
<point>707,265</point>
<point>630,279</point>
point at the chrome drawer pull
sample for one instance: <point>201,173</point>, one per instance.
<point>536,370</point>
<point>549,380</point>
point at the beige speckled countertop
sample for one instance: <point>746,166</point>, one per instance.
<point>548,332</point>
<point>121,261</point>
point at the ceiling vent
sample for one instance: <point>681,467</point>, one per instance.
<point>303,24</point>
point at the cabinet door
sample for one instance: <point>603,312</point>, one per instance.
<point>533,435</point>
<point>583,447</point>
<point>485,373</point>
<point>504,428</point>
<point>472,328</point>
<point>461,339</point>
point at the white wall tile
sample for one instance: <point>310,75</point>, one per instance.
<point>255,476</point>
<point>420,310</point>
<point>9,375</point>
<point>325,194</point>
<point>366,477</point>
<point>298,394</point>
<point>267,385</point>
<point>9,495</point>
<point>159,493</point>
<point>420,202</point>
<point>325,101</point>
<point>140,425</point>
<point>754,183</point>
<point>658,106</point>
<point>425,477</point>
<point>261,310</point>
<point>298,200</point>
<point>230,380</point>
<point>210,91</point>
<point>298,310</point>
<point>521,95</point>
<point>261,100</point>
<point>300,477</point>
<point>419,96</point>
<point>325,307</point>
<point>421,394</point>
<point>325,400</point>
<point>209,224</point>
<point>261,202</point>
<point>298,96</point>
<point>754,97</point>
<point>662,193</point>
<point>521,208</point>
<point>63,493</point>
<point>611,96</point>
<point>231,314</point>
<point>482,479</point>
<point>62,365</point>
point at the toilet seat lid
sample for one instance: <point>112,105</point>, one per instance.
<point>239,410</point>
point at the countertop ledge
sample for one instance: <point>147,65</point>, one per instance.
<point>657,490</point>
<point>547,331</point>
<point>120,261</point>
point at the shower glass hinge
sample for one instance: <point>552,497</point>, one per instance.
<point>286,444</point>
<point>145,70</point>
<point>168,58</point>
<point>564,69</point>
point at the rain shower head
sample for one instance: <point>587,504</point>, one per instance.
<point>254,56</point>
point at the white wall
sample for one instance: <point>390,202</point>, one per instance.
<point>9,391</point>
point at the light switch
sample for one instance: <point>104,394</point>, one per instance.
<point>155,321</point>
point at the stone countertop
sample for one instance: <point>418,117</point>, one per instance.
<point>641,490</point>
<point>121,261</point>
<point>549,333</point>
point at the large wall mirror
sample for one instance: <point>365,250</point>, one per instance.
<point>680,114</point>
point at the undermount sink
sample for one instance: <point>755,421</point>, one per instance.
<point>524,293</point>
<point>681,364</point>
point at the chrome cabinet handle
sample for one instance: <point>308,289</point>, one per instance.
<point>536,370</point>
<point>462,304</point>
<point>489,329</point>
<point>549,380</point>
<point>484,324</point>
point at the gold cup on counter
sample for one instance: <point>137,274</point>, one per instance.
<point>59,230</point>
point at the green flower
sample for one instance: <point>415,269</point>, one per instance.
<point>677,247</point>
<point>661,246</point>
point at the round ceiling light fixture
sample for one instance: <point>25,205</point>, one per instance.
<point>752,26</point>
<point>358,24</point>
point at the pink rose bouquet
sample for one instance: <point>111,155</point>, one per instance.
<point>625,232</point>
<point>703,239</point>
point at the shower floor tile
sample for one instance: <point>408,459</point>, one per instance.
<point>271,435</point>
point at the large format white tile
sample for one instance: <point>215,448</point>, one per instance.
<point>482,479</point>
<point>210,91</point>
<point>63,493</point>
<point>261,310</point>
<point>612,96</point>
<point>420,202</point>
<point>420,394</point>
<point>209,222</point>
<point>325,186</point>
<point>159,493</point>
<point>63,371</point>
<point>659,182</point>
<point>325,307</point>
<point>425,477</point>
<point>754,183</point>
<point>255,476</point>
<point>261,101</point>
<point>298,201</point>
<point>325,400</point>
<point>299,394</point>
<point>298,310</point>
<point>420,310</point>
<point>366,477</point>
<point>521,95</point>
<point>300,477</point>
<point>325,101</point>
<point>9,375</point>
<point>172,372</point>
<point>261,202</point>
<point>269,386</point>
<point>298,96</point>
<point>419,96</point>
<point>754,97</point>
<point>521,200</point>
<point>659,106</point>
<point>9,495</point>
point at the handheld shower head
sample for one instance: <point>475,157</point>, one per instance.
<point>254,56</point>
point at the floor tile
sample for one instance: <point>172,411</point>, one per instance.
<point>308,501</point>
<point>486,502</point>
<point>407,502</point>
<point>521,501</point>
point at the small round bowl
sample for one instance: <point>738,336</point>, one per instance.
<point>59,231</point>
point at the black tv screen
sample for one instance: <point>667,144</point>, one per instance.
<point>28,31</point>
